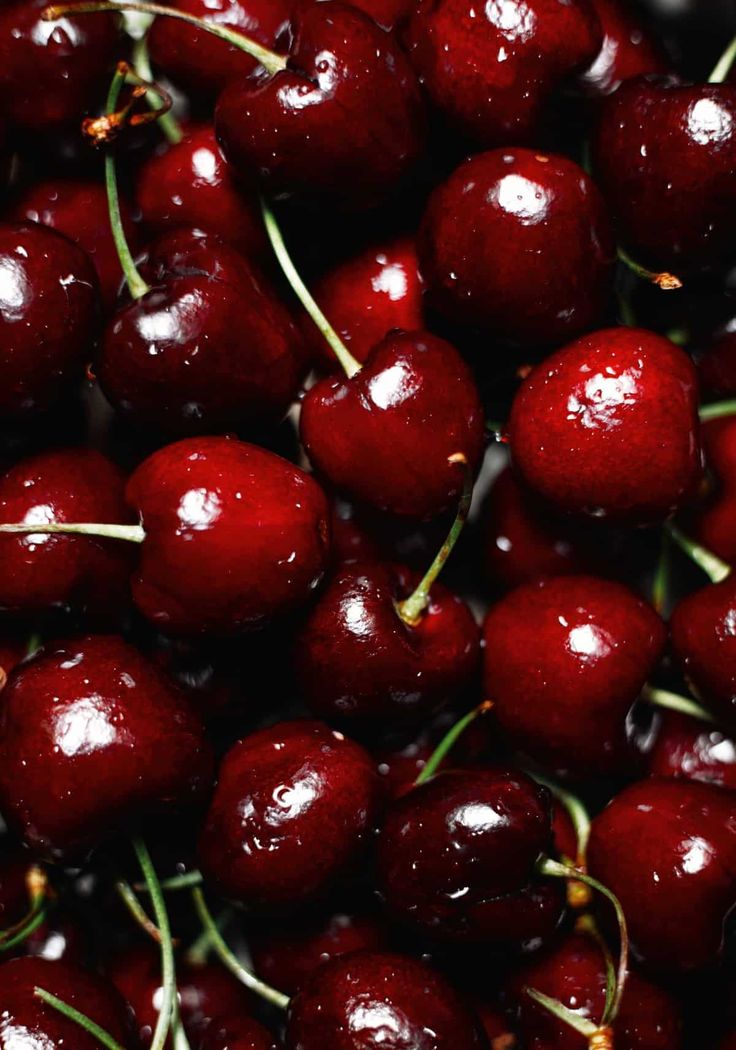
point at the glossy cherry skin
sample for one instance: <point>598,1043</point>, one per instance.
<point>237,1032</point>
<point>372,1000</point>
<point>78,209</point>
<point>202,63</point>
<point>714,518</point>
<point>292,811</point>
<point>386,435</point>
<point>210,346</point>
<point>367,296</point>
<point>518,242</point>
<point>586,427</point>
<point>234,536</point>
<point>689,748</point>
<point>355,659</point>
<point>665,153</point>
<point>48,317</point>
<point>344,122</point>
<point>26,1021</point>
<point>491,69</point>
<point>190,185</point>
<point>40,572</point>
<point>452,847</point>
<point>667,849</point>
<point>93,737</point>
<point>628,50</point>
<point>53,73</point>
<point>704,644</point>
<point>564,660</point>
<point>391,14</point>
<point>573,972</point>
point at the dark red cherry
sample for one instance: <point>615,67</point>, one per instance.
<point>665,153</point>
<point>519,243</point>
<point>356,659</point>
<point>292,812</point>
<point>93,737</point>
<point>390,14</point>
<point>717,365</point>
<point>704,643</point>
<point>586,427</point>
<point>714,518</point>
<point>343,122</point>
<point>667,849</point>
<point>682,746</point>
<point>15,891</point>
<point>628,49</point>
<point>237,1032</point>
<point>25,1021</point>
<point>210,346</point>
<point>78,209</point>
<point>455,851</point>
<point>234,536</point>
<point>380,1001</point>
<point>491,68</point>
<point>385,435</point>
<point>48,316</point>
<point>574,973</point>
<point>190,185</point>
<point>367,296</point>
<point>565,659</point>
<point>200,62</point>
<point>40,572</point>
<point>53,73</point>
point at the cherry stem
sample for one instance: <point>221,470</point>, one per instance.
<point>553,869</point>
<point>578,893</point>
<point>348,362</point>
<point>411,609</point>
<point>127,896</point>
<point>668,282</point>
<point>198,951</point>
<point>37,885</point>
<point>580,1024</point>
<point>586,924</point>
<point>674,702</point>
<point>713,567</point>
<point>724,64</point>
<point>167,121</point>
<point>230,960</point>
<point>448,741</point>
<point>130,533</point>
<point>660,584</point>
<point>270,60</point>
<point>717,410</point>
<point>176,882</point>
<point>79,1018</point>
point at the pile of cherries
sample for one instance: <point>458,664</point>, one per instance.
<point>367,523</point>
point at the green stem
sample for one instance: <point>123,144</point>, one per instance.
<point>577,812</point>
<point>579,1024</point>
<point>79,1018</point>
<point>724,64</point>
<point>198,951</point>
<point>131,533</point>
<point>270,60</point>
<point>713,567</point>
<point>167,122</point>
<point>137,911</point>
<point>341,352</point>
<point>674,702</point>
<point>668,282</point>
<point>586,924</point>
<point>37,885</point>
<point>717,410</point>
<point>176,882</point>
<point>230,960</point>
<point>411,609</point>
<point>660,584</point>
<point>448,741</point>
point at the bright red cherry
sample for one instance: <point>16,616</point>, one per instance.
<point>682,746</point>
<point>92,738</point>
<point>667,849</point>
<point>237,1032</point>
<point>292,812</point>
<point>491,68</point>
<point>628,50</point>
<point>565,659</point>
<point>518,242</point>
<point>586,427</point>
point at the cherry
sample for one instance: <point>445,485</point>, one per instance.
<point>595,643</point>
<point>27,1021</point>
<point>717,364</point>
<point>39,573</point>
<point>391,14</point>
<point>93,737</point>
<point>188,184</point>
<point>48,316</point>
<point>491,69</point>
<point>355,658</point>
<point>368,1000</point>
<point>692,749</point>
<point>667,849</point>
<point>714,518</point>
<point>664,156</point>
<point>343,121</point>
<point>78,209</point>
<point>519,243</point>
<point>586,427</point>
<point>237,1032</point>
<point>458,853</point>
<point>292,812</point>
<point>628,50</point>
<point>386,435</point>
<point>51,73</point>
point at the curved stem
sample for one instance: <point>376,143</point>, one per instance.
<point>660,584</point>
<point>713,567</point>
<point>341,352</point>
<point>230,960</point>
<point>38,894</point>
<point>168,1011</point>
<point>724,64</point>
<point>176,882</point>
<point>270,60</point>
<point>448,741</point>
<point>717,410</point>
<point>674,702</point>
<point>586,924</point>
<point>411,609</point>
<point>579,1024</point>
<point>579,895</point>
<point>130,533</point>
<point>79,1018</point>
<point>167,121</point>
<point>127,896</point>
<point>668,282</point>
